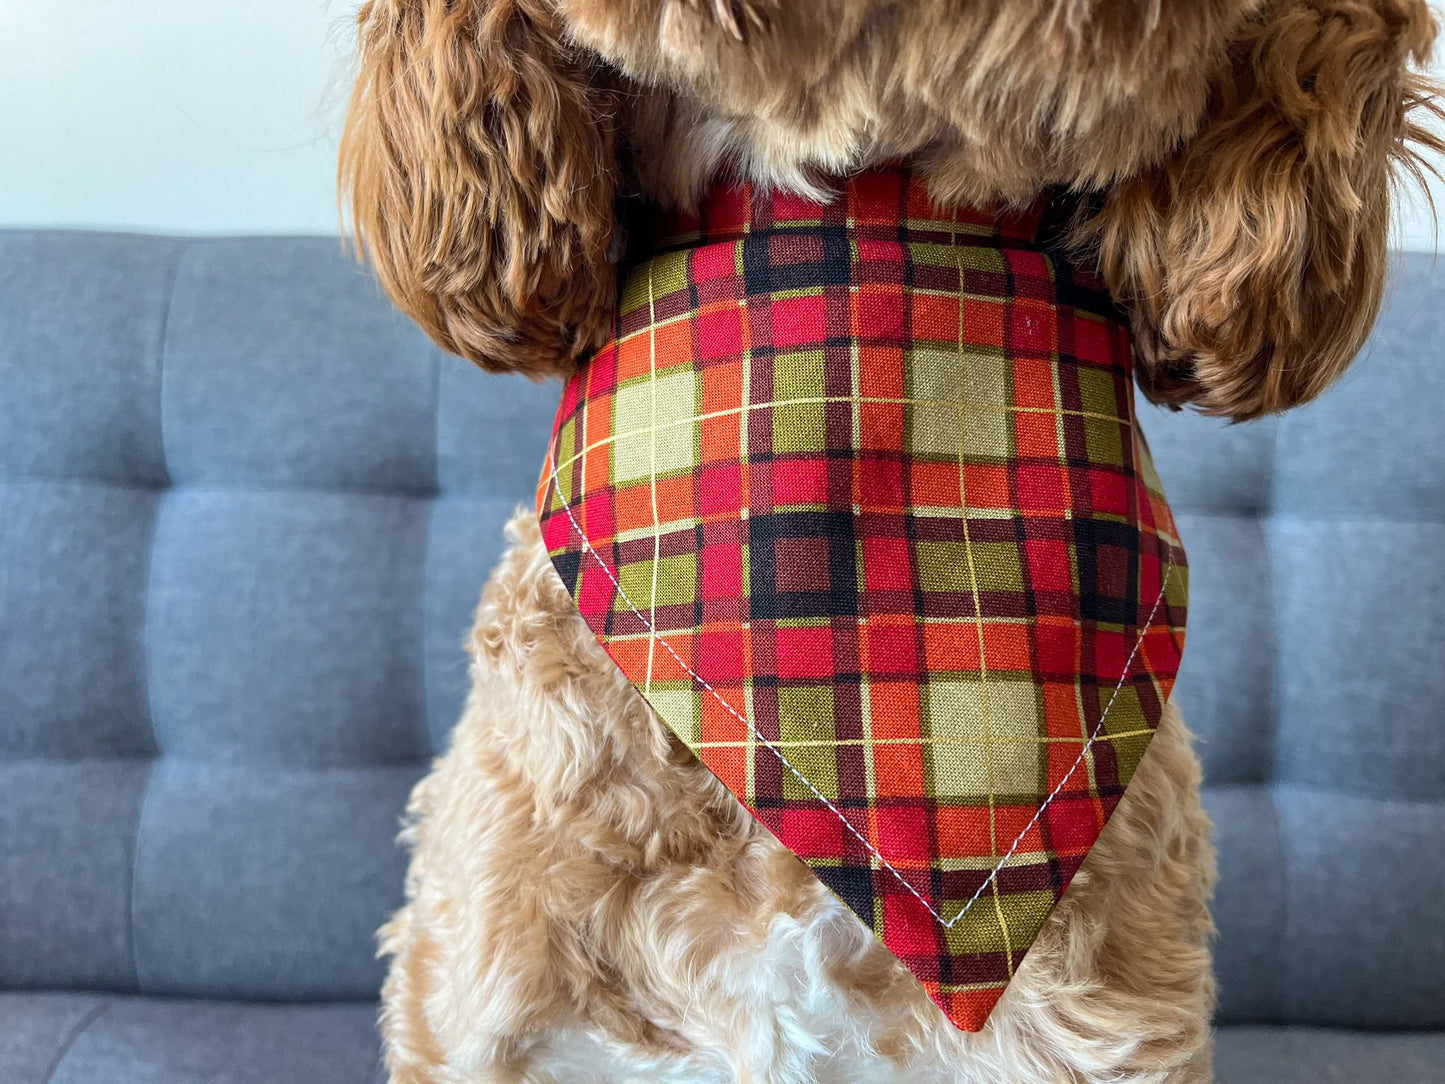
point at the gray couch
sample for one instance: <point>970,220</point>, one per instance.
<point>245,511</point>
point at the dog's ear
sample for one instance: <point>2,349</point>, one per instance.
<point>478,159</point>
<point>1253,259</point>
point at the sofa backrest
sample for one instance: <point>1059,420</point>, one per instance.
<point>1315,678</point>
<point>245,513</point>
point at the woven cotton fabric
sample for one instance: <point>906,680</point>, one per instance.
<point>857,500</point>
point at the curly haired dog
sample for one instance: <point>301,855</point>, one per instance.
<point>586,901</point>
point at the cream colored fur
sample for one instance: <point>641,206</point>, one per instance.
<point>587,903</point>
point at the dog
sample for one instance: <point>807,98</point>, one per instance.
<point>586,901</point>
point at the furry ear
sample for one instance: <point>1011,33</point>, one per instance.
<point>1253,259</point>
<point>478,158</point>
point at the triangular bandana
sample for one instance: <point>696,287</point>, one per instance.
<point>857,500</point>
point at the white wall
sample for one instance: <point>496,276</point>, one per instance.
<point>199,115</point>
<point>176,115</point>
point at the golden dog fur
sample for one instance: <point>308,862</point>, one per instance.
<point>586,902</point>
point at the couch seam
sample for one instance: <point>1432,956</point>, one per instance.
<point>1284,969</point>
<point>165,330</point>
<point>241,487</point>
<point>1276,648</point>
<point>76,1032</point>
<point>422,749</point>
<point>130,893</point>
<point>163,339</point>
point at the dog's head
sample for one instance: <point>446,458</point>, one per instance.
<point>1236,156</point>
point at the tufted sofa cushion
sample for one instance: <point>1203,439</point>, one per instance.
<point>245,511</point>
<point>1314,678</point>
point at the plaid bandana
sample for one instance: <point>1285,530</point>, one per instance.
<point>856,499</point>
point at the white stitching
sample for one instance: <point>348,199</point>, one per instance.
<point>587,544</point>
<point>656,519</point>
<point>993,874</point>
<point>1098,729</point>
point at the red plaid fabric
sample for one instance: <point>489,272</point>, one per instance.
<point>856,498</point>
